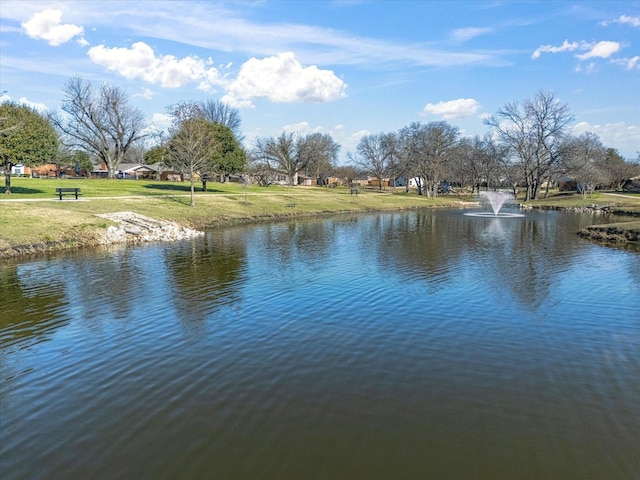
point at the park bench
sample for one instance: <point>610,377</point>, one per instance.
<point>67,190</point>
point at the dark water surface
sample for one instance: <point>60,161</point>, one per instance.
<point>404,345</point>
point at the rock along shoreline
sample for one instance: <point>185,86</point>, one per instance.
<point>130,228</point>
<point>135,228</point>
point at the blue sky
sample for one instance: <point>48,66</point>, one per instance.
<point>347,68</point>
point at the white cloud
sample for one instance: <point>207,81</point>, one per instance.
<point>350,143</point>
<point>359,134</point>
<point>600,50</point>
<point>234,32</point>
<point>453,109</point>
<point>625,20</point>
<point>565,47</point>
<point>46,25</point>
<point>146,93</point>
<point>301,128</point>
<point>141,62</point>
<point>628,63</point>
<point>283,79</point>
<point>40,107</point>
<point>603,49</point>
<point>622,136</point>
<point>279,79</point>
<point>160,122</point>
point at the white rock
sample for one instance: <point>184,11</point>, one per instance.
<point>134,228</point>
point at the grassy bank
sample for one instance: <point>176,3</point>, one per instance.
<point>625,203</point>
<point>33,219</point>
<point>614,232</point>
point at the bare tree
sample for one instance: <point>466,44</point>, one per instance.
<point>260,171</point>
<point>533,131</point>
<point>346,173</point>
<point>279,154</point>
<point>136,154</point>
<point>581,159</point>
<point>374,155</point>
<point>480,162</point>
<point>193,145</point>
<point>395,166</point>
<point>216,111</point>
<point>428,150</point>
<point>618,170</point>
<point>101,122</point>
<point>319,152</point>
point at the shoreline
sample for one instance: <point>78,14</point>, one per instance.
<point>612,233</point>
<point>133,228</point>
<point>44,225</point>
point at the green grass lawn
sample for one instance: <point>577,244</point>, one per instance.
<point>24,187</point>
<point>620,201</point>
<point>572,199</point>
<point>33,213</point>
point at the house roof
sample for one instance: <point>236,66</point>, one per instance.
<point>135,167</point>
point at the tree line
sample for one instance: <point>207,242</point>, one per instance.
<point>528,145</point>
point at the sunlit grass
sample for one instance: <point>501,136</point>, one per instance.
<point>628,203</point>
<point>46,219</point>
<point>51,220</point>
<point>24,187</point>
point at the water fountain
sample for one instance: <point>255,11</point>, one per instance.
<point>496,200</point>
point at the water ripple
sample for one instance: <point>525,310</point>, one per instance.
<point>395,346</point>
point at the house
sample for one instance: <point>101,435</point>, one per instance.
<point>398,182</point>
<point>362,181</point>
<point>45,171</point>
<point>306,181</point>
<point>20,170</point>
<point>329,180</point>
<point>51,170</point>
<point>136,171</point>
<point>374,182</point>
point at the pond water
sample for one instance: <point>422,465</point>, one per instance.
<point>405,345</point>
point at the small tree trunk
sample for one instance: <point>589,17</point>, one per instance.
<point>7,177</point>
<point>192,180</point>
